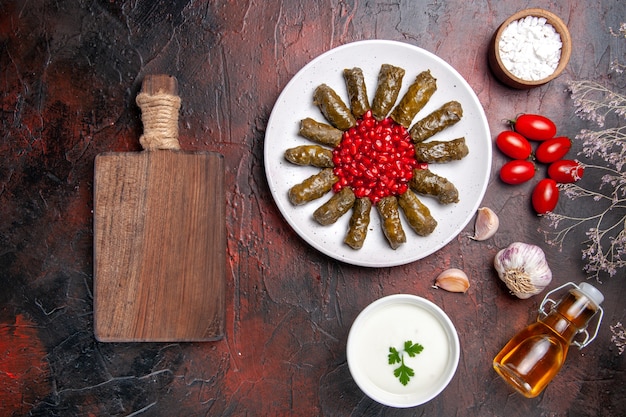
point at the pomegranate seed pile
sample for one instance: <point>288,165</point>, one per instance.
<point>374,158</point>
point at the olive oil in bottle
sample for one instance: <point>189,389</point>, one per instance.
<point>530,360</point>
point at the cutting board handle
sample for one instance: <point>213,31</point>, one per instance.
<point>159,103</point>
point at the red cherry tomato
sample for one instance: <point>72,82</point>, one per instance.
<point>566,171</point>
<point>513,145</point>
<point>534,127</point>
<point>553,149</point>
<point>517,171</point>
<point>545,196</point>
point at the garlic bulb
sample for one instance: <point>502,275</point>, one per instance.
<point>453,280</point>
<point>486,225</point>
<point>523,268</point>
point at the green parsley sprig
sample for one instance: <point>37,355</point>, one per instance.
<point>404,372</point>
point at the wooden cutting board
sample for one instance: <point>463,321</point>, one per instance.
<point>159,233</point>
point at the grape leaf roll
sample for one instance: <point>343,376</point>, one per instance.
<point>337,206</point>
<point>333,108</point>
<point>359,222</point>
<point>441,151</point>
<point>414,99</point>
<point>387,90</point>
<point>426,182</point>
<point>319,132</point>
<point>417,214</point>
<point>313,187</point>
<point>390,215</point>
<point>445,116</point>
<point>357,91</point>
<point>313,155</point>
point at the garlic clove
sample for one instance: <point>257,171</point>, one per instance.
<point>453,280</point>
<point>487,223</point>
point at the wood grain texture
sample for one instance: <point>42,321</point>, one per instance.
<point>159,236</point>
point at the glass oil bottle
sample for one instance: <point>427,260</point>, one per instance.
<point>530,360</point>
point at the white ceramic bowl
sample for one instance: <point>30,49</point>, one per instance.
<point>390,322</point>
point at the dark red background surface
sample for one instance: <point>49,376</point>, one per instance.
<point>70,71</point>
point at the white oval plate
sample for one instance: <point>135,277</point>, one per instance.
<point>470,175</point>
<point>389,322</point>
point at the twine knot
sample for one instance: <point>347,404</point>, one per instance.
<point>159,114</point>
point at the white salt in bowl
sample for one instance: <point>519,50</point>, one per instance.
<point>391,322</point>
<point>496,56</point>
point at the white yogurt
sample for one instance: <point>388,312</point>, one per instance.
<point>390,322</point>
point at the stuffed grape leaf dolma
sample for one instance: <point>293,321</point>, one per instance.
<point>357,91</point>
<point>441,151</point>
<point>321,133</point>
<point>417,214</point>
<point>333,108</point>
<point>337,206</point>
<point>390,216</point>
<point>313,155</point>
<point>313,187</point>
<point>359,222</point>
<point>387,90</point>
<point>414,99</point>
<point>445,116</point>
<point>426,182</point>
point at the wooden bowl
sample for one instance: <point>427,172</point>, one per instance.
<point>504,75</point>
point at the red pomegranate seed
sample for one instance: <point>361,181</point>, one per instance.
<point>375,158</point>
